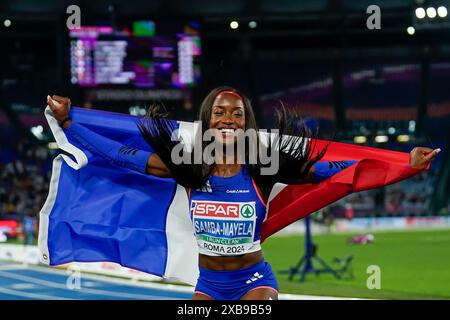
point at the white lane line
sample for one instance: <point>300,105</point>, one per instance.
<point>31,295</point>
<point>23,286</point>
<point>12,267</point>
<point>91,284</point>
<point>126,282</point>
<point>83,290</point>
<point>287,296</point>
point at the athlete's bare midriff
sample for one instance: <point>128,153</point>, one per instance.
<point>227,263</point>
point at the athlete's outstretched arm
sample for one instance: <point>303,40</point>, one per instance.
<point>419,158</point>
<point>126,156</point>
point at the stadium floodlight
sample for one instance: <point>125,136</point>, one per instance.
<point>412,126</point>
<point>403,138</point>
<point>137,111</point>
<point>442,11</point>
<point>431,12</point>
<point>420,13</point>
<point>7,23</point>
<point>52,145</point>
<point>234,24</point>
<point>411,30</point>
<point>252,24</point>
<point>360,139</point>
<point>381,139</point>
<point>38,132</point>
<point>391,130</point>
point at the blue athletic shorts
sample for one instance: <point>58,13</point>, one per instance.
<point>232,285</point>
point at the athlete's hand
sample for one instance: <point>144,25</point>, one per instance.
<point>420,157</point>
<point>60,107</point>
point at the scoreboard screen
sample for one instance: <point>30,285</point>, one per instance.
<point>144,54</point>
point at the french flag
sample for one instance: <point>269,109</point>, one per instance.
<point>96,211</point>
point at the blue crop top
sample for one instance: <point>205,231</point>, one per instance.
<point>227,214</point>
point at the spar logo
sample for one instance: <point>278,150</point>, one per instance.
<point>247,211</point>
<point>223,209</point>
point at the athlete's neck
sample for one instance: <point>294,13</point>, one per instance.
<point>225,170</point>
<point>228,155</point>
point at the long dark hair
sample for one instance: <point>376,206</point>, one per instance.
<point>295,140</point>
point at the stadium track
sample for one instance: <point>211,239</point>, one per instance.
<point>26,282</point>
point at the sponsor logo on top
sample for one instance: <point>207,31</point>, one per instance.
<point>230,210</point>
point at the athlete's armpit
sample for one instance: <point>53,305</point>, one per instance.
<point>156,167</point>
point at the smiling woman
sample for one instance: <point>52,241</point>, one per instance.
<point>227,201</point>
<point>225,110</point>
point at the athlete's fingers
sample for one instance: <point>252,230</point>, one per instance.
<point>430,156</point>
<point>59,99</point>
<point>425,150</point>
<point>421,150</point>
<point>421,156</point>
<point>51,104</point>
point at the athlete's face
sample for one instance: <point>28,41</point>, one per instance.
<point>227,115</point>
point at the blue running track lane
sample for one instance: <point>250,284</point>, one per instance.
<point>18,282</point>
<point>26,282</point>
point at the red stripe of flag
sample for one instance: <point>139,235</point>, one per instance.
<point>375,168</point>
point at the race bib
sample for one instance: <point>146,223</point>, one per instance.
<point>224,228</point>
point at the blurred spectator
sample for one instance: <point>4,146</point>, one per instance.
<point>24,182</point>
<point>29,227</point>
<point>349,212</point>
<point>3,237</point>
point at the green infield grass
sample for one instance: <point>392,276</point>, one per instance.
<point>412,264</point>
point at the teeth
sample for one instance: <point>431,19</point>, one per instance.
<point>227,130</point>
